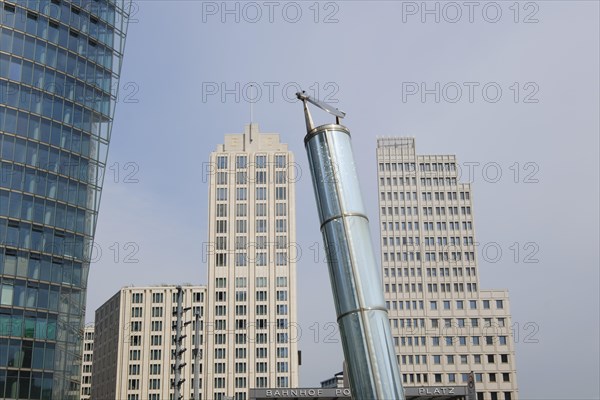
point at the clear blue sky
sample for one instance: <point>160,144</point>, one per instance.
<point>520,98</point>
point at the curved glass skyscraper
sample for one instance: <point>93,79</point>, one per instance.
<point>59,71</point>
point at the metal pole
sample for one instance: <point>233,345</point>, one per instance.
<point>358,296</point>
<point>197,356</point>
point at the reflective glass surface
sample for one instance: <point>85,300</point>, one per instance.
<point>59,70</point>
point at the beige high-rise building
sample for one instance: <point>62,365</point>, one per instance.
<point>86,362</point>
<point>444,326</point>
<point>134,343</point>
<point>251,317</point>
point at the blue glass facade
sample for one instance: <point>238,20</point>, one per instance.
<point>59,71</point>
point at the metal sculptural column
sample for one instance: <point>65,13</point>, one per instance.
<point>364,326</point>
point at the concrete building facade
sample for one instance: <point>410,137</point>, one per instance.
<point>443,324</point>
<point>134,343</point>
<point>86,363</point>
<point>251,313</point>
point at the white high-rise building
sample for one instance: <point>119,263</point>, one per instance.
<point>251,317</point>
<point>86,363</point>
<point>444,326</point>
<point>134,343</point>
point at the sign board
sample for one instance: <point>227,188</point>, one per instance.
<point>344,393</point>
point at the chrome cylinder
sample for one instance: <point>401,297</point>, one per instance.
<point>358,296</point>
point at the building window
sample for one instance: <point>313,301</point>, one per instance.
<point>221,226</point>
<point>282,338</point>
<point>261,259</point>
<point>241,193</point>
<point>261,193</point>
<point>240,353</point>
<point>281,258</point>
<point>261,281</point>
<point>261,161</point>
<point>282,309</point>
<point>280,177</point>
<point>156,340</point>
<point>220,259</point>
<point>261,382</point>
<point>282,295</point>
<point>261,225</point>
<point>154,369</point>
<point>241,226</point>
<point>154,384</point>
<point>221,178</point>
<point>282,381</point>
<point>282,352</point>
<point>221,296</point>
<point>280,209</point>
<point>281,281</point>
<point>240,243</point>
<point>261,177</point>
<point>221,162</point>
<point>280,193</point>
<point>156,326</point>
<point>282,366</point>
<point>280,225</point>
<point>221,194</point>
<point>157,297</point>
<point>240,259</point>
<point>241,178</point>
<point>137,298</point>
<point>221,282</point>
<point>280,161</point>
<point>261,352</point>
<point>155,354</point>
<point>241,161</point>
<point>240,210</point>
